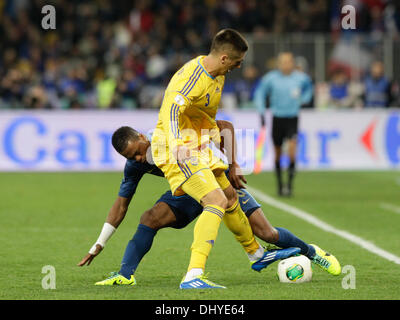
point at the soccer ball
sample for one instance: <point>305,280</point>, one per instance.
<point>295,270</point>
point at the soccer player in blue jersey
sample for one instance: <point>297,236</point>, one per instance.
<point>179,211</point>
<point>288,89</point>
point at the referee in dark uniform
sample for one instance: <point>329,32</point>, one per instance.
<point>288,89</point>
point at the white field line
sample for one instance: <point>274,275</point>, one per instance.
<point>390,207</point>
<point>367,245</point>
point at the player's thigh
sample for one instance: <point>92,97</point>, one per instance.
<point>184,207</point>
<point>159,216</point>
<point>204,188</point>
<point>247,202</point>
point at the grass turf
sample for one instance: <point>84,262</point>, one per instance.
<point>54,218</point>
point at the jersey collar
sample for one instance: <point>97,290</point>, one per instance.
<point>199,61</point>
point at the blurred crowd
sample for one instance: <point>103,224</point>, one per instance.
<point>375,90</point>
<point>120,54</point>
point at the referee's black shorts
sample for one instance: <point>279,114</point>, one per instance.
<point>283,128</point>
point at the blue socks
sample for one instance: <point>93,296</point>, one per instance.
<point>288,239</point>
<point>143,240</point>
<point>136,249</point>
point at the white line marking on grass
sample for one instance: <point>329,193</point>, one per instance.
<point>390,207</point>
<point>324,226</point>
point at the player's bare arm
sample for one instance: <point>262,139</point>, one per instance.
<point>118,211</point>
<point>115,216</point>
<point>228,147</point>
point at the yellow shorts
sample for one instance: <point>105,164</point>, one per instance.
<point>204,162</point>
<point>203,182</point>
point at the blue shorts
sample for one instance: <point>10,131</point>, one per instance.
<point>186,209</point>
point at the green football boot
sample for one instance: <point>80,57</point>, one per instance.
<point>326,261</point>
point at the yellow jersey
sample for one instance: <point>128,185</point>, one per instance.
<point>190,101</point>
<point>187,117</point>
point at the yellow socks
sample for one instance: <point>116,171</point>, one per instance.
<point>206,231</point>
<point>205,234</point>
<point>238,224</point>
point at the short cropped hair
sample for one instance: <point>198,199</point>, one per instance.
<point>121,137</point>
<point>229,39</point>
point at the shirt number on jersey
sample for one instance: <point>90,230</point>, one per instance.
<point>208,99</point>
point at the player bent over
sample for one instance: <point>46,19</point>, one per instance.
<point>177,212</point>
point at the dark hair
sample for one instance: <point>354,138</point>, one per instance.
<point>121,137</point>
<point>229,39</point>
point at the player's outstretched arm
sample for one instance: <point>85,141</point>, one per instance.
<point>115,216</point>
<point>228,147</point>
<point>118,211</point>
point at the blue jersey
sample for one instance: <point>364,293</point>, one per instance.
<point>287,93</point>
<point>133,172</point>
<point>376,92</point>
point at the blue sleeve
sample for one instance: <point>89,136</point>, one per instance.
<point>132,175</point>
<point>261,92</point>
<point>308,90</point>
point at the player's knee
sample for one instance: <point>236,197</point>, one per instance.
<point>224,202</point>
<point>221,201</point>
<point>231,197</point>
<point>150,219</point>
<point>217,198</point>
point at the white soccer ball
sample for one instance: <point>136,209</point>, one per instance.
<point>295,270</point>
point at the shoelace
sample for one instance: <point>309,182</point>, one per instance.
<point>113,275</point>
<point>321,261</point>
<point>204,276</point>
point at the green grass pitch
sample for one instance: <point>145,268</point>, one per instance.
<point>54,218</point>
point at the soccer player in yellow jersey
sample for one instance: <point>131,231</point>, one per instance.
<point>180,148</point>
